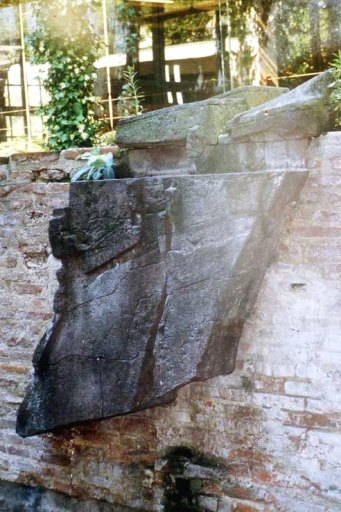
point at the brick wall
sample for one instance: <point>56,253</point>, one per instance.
<point>264,439</point>
<point>28,283</point>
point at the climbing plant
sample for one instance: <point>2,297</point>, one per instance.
<point>63,38</point>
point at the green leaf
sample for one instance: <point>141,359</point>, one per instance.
<point>79,174</point>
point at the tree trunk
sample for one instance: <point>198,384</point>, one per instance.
<point>314,20</point>
<point>158,34</point>
<point>3,133</point>
<point>334,28</point>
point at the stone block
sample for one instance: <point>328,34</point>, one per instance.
<point>48,166</point>
<point>15,497</point>
<point>159,275</point>
<point>233,132</point>
<point>303,112</point>
<point>32,161</point>
<point>4,172</point>
<point>208,503</point>
<point>73,153</point>
<point>159,160</point>
<point>170,125</point>
<point>188,130</point>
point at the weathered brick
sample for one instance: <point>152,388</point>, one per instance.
<point>12,368</point>
<point>5,190</point>
<point>72,153</point>
<point>269,384</point>
<point>313,420</point>
<point>299,388</point>
<point>29,289</point>
<point>240,507</point>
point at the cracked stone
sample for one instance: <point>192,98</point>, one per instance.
<point>159,275</point>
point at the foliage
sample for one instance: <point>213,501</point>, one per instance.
<point>300,33</point>
<point>293,41</point>
<point>129,103</point>
<point>128,16</point>
<point>98,167</point>
<point>336,93</point>
<point>247,19</point>
<point>190,28</point>
<point>239,14</point>
<point>300,29</point>
<point>64,39</point>
<point>305,36</point>
<point>107,138</point>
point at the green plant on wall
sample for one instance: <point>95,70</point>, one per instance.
<point>129,101</point>
<point>336,93</point>
<point>97,167</point>
<point>63,38</point>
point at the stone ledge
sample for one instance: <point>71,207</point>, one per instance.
<point>46,166</point>
<point>170,125</point>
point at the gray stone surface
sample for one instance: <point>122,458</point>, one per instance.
<point>234,132</point>
<point>158,277</point>
<point>174,140</point>
<point>170,125</point>
<point>274,135</point>
<point>301,113</point>
<point>21,498</point>
<point>160,160</point>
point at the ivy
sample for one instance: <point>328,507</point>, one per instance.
<point>64,39</point>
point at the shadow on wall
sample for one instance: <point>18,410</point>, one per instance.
<point>188,479</point>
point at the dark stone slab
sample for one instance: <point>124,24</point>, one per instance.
<point>159,275</point>
<point>21,498</point>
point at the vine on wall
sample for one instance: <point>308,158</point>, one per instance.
<point>64,39</point>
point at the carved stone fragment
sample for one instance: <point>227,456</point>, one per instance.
<point>158,277</point>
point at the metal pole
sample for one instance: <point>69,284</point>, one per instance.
<point>24,75</point>
<point>106,43</point>
<point>222,46</point>
<point>159,65</point>
<point>229,43</point>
